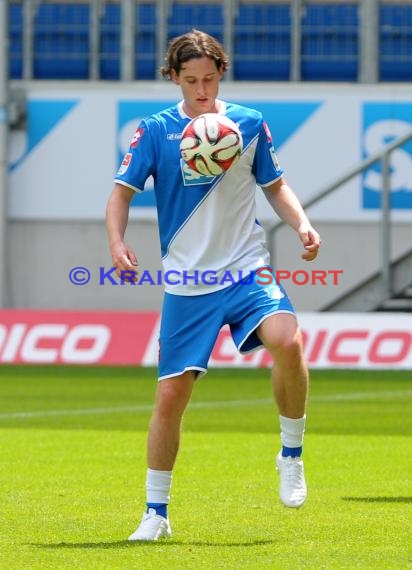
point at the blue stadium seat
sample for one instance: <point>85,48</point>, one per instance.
<point>16,41</point>
<point>110,43</point>
<point>330,42</point>
<point>61,41</point>
<point>206,17</point>
<point>396,42</point>
<point>145,42</point>
<point>262,42</point>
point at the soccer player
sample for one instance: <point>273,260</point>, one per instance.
<point>209,224</point>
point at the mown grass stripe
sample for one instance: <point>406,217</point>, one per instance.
<point>350,396</point>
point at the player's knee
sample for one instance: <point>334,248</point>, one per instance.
<point>174,393</point>
<point>287,344</point>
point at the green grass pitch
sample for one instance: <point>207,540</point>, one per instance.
<point>73,441</point>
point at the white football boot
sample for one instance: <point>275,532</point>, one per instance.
<point>292,481</point>
<point>152,527</point>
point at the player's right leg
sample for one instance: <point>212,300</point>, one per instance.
<point>189,329</point>
<point>172,397</point>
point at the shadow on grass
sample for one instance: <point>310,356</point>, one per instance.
<point>160,543</point>
<point>378,499</point>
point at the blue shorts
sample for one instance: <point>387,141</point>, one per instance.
<point>190,324</point>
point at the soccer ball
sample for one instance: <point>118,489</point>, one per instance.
<point>211,144</point>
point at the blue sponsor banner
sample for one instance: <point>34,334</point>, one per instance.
<point>384,122</point>
<point>284,118</point>
<point>42,117</point>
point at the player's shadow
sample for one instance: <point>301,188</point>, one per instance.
<point>127,544</point>
<point>378,499</point>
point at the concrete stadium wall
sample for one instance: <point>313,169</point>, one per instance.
<point>42,253</point>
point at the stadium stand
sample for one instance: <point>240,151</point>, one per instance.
<point>206,16</point>
<point>396,42</point>
<point>330,39</point>
<point>262,42</point>
<point>145,42</point>
<point>110,43</point>
<point>330,42</point>
<point>61,41</point>
<point>15,41</point>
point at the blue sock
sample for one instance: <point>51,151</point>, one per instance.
<point>160,508</point>
<point>291,451</point>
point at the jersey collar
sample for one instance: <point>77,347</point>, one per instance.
<point>183,115</point>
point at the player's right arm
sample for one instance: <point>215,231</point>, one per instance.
<point>117,216</point>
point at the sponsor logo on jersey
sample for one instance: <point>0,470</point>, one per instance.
<point>191,177</point>
<point>136,137</point>
<point>174,136</point>
<point>125,163</point>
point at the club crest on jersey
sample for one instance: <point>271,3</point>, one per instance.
<point>191,177</point>
<point>125,163</point>
<point>136,138</point>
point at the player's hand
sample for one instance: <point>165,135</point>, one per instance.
<point>125,261</point>
<point>311,242</point>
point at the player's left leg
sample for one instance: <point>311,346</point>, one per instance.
<point>281,336</point>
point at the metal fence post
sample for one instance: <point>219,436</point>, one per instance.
<point>4,127</point>
<point>162,7</point>
<point>29,7</point>
<point>127,43</point>
<point>368,70</point>
<point>94,39</point>
<point>229,14</point>
<point>386,229</point>
<point>296,40</point>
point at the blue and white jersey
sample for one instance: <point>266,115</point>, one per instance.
<point>206,223</point>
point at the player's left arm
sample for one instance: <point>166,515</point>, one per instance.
<point>287,206</point>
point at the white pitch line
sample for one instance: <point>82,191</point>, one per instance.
<point>124,409</point>
<point>349,396</point>
<point>362,396</point>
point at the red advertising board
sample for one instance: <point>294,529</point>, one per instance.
<point>74,337</point>
<point>331,340</point>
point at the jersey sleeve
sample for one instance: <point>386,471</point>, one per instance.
<point>138,162</point>
<point>265,165</point>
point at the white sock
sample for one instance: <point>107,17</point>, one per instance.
<point>291,431</point>
<point>158,484</point>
